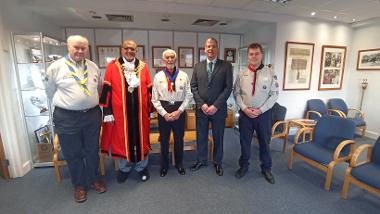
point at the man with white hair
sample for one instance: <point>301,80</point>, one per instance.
<point>73,86</point>
<point>171,95</point>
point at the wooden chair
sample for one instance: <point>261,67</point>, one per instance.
<point>365,174</point>
<point>331,143</point>
<point>58,159</point>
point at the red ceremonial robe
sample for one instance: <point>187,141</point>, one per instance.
<point>128,136</point>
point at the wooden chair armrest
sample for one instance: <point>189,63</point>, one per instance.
<point>303,131</point>
<point>340,113</point>
<point>355,156</point>
<point>284,130</point>
<point>341,146</point>
<point>358,111</point>
<point>313,112</point>
<point>55,144</point>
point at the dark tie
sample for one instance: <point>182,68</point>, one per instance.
<point>209,71</point>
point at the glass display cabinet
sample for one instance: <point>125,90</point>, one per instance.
<point>33,53</point>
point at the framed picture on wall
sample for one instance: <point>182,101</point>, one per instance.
<point>106,54</point>
<point>185,57</point>
<point>298,65</point>
<point>201,54</point>
<point>140,54</point>
<point>157,56</point>
<point>368,59</point>
<point>332,67</point>
<point>230,55</point>
<point>88,54</point>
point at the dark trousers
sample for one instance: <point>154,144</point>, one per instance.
<point>165,128</point>
<point>262,126</point>
<point>78,134</point>
<point>217,126</point>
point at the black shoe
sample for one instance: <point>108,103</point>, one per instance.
<point>218,169</point>
<point>144,175</point>
<point>121,176</point>
<point>197,166</point>
<point>268,176</point>
<point>163,172</point>
<point>241,172</point>
<point>181,171</point>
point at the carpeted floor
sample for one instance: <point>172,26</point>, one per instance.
<point>297,191</point>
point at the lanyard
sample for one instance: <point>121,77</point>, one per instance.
<point>74,74</point>
<point>171,79</point>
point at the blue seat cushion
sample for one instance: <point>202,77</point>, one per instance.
<point>358,121</point>
<point>315,152</point>
<point>368,173</point>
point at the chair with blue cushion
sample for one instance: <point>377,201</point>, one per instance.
<point>315,109</point>
<point>279,125</point>
<point>365,174</point>
<point>330,143</point>
<point>339,107</point>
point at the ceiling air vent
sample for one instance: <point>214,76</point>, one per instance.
<point>205,22</point>
<point>119,18</point>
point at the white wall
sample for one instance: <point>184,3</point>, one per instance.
<point>320,33</point>
<point>366,37</point>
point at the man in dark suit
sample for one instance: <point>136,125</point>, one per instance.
<point>211,85</point>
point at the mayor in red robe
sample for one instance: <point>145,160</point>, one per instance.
<point>126,106</point>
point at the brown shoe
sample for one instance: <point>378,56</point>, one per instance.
<point>99,186</point>
<point>80,194</point>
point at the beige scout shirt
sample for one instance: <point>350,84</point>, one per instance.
<point>65,92</point>
<point>266,89</point>
<point>160,91</point>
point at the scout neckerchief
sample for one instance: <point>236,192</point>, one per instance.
<point>253,69</point>
<point>82,83</point>
<point>171,78</point>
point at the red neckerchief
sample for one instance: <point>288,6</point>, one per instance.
<point>253,69</point>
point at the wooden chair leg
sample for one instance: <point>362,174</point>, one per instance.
<point>291,157</point>
<point>173,158</point>
<point>329,174</point>
<point>58,176</point>
<point>101,164</point>
<point>346,183</point>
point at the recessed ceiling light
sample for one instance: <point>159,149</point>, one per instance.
<point>335,17</point>
<point>353,20</point>
<point>313,13</point>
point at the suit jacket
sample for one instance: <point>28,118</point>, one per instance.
<point>217,91</point>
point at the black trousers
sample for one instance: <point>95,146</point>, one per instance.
<point>78,134</point>
<point>165,128</point>
<point>262,125</point>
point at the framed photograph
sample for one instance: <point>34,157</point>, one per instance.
<point>298,65</point>
<point>332,67</point>
<point>140,54</point>
<point>185,57</point>
<point>230,55</point>
<point>106,54</point>
<point>88,54</point>
<point>201,54</point>
<point>368,59</point>
<point>43,134</point>
<point>157,56</point>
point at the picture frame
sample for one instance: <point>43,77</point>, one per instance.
<point>157,56</point>
<point>43,134</point>
<point>201,54</point>
<point>140,54</point>
<point>332,67</point>
<point>107,53</point>
<point>230,55</point>
<point>185,57</point>
<point>298,65</point>
<point>368,60</point>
